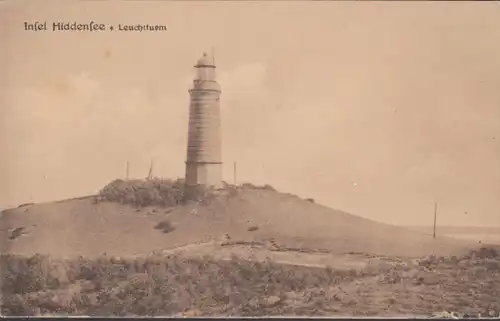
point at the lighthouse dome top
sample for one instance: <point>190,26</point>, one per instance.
<point>205,61</point>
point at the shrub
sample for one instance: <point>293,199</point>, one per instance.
<point>249,186</point>
<point>487,252</point>
<point>158,285</point>
<point>16,304</point>
<point>165,226</point>
<point>24,275</point>
<point>18,231</point>
<point>155,192</point>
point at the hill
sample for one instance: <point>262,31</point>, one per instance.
<point>244,215</point>
<point>238,251</point>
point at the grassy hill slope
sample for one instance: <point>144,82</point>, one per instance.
<point>87,227</point>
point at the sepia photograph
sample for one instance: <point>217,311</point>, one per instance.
<point>250,159</point>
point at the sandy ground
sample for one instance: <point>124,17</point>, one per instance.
<point>81,227</point>
<point>261,252</point>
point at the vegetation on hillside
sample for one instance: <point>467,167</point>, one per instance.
<point>160,285</point>
<point>163,192</point>
<point>157,192</point>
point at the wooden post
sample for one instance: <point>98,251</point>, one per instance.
<point>435,216</point>
<point>150,173</point>
<point>234,173</point>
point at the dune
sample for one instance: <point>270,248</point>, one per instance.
<point>84,227</point>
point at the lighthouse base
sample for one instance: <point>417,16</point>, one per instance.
<point>204,173</point>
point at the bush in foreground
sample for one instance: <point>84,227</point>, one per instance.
<point>153,286</point>
<point>169,285</point>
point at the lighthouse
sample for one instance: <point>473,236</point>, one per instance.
<point>204,160</point>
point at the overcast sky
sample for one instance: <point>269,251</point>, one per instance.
<point>375,108</point>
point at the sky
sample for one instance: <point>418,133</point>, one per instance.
<point>375,108</point>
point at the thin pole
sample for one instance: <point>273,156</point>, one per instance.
<point>150,174</point>
<point>127,172</point>
<point>234,173</point>
<point>435,215</point>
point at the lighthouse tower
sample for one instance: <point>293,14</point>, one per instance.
<point>204,163</point>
